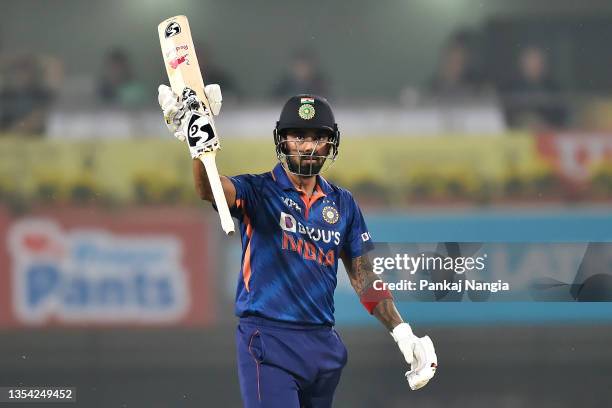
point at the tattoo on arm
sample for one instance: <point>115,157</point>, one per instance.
<point>362,277</point>
<point>360,273</point>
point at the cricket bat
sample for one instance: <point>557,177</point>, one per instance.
<point>184,72</point>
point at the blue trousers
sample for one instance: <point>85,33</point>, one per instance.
<point>286,365</point>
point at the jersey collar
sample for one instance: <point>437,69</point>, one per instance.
<point>280,177</point>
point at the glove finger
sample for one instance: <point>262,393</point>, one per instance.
<point>215,107</point>
<point>410,358</point>
<point>170,104</point>
<point>407,349</point>
<point>164,92</point>
<point>163,88</point>
<point>420,357</point>
<point>416,381</point>
<point>213,94</point>
<point>213,91</point>
<point>430,352</point>
<point>421,376</point>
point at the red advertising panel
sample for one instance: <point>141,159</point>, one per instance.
<point>574,155</point>
<point>75,266</point>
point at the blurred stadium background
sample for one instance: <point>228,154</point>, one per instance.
<point>461,120</point>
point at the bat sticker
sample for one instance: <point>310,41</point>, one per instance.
<point>175,62</point>
<point>199,126</point>
<point>173,29</point>
<point>190,99</point>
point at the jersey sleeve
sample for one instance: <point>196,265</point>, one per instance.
<point>358,240</point>
<point>246,195</point>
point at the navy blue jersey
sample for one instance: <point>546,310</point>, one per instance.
<point>291,245</point>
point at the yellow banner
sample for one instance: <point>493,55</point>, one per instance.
<point>160,169</point>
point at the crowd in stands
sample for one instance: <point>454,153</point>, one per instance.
<point>28,86</point>
<point>529,95</point>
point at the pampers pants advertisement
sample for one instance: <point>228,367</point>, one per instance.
<point>306,204</point>
<point>74,267</point>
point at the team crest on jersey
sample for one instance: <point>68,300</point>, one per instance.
<point>306,111</point>
<point>330,214</point>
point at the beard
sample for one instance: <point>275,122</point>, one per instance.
<point>303,166</point>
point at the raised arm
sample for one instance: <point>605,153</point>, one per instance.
<point>176,110</point>
<point>202,185</point>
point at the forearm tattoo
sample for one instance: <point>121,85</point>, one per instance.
<point>362,277</point>
<point>361,274</point>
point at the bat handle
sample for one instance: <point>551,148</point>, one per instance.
<point>208,159</point>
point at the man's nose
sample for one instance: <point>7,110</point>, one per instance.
<point>308,144</point>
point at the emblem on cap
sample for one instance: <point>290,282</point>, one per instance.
<point>330,214</point>
<point>306,111</point>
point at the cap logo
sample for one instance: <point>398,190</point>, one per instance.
<point>307,100</point>
<point>306,111</point>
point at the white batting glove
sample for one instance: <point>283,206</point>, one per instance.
<point>172,108</point>
<point>419,354</point>
<point>186,123</point>
<point>215,99</point>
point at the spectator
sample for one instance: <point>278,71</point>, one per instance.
<point>25,96</point>
<point>117,84</point>
<point>304,76</point>
<point>533,99</point>
<point>457,75</point>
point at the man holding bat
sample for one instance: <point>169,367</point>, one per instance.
<point>294,226</point>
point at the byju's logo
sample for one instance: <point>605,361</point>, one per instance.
<point>287,222</point>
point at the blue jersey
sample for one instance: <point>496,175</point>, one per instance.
<point>291,245</point>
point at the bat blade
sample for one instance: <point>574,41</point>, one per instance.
<point>183,72</point>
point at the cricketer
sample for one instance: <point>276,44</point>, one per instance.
<point>294,227</point>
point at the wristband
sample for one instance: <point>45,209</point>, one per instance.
<point>372,297</point>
